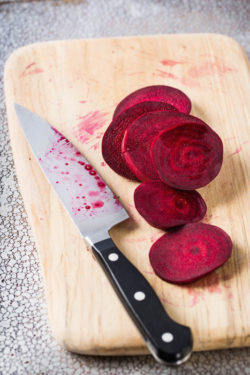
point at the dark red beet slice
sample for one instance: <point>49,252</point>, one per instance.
<point>187,157</point>
<point>164,207</point>
<point>112,139</point>
<point>139,137</point>
<point>187,253</point>
<point>158,93</point>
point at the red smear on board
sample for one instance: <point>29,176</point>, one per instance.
<point>171,62</point>
<point>89,125</point>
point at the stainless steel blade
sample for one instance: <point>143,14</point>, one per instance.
<point>90,203</point>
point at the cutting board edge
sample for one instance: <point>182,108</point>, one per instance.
<point>19,51</point>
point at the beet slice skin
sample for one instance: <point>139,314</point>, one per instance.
<point>139,136</point>
<point>187,253</point>
<point>112,139</point>
<point>164,207</point>
<point>187,157</point>
<point>159,93</point>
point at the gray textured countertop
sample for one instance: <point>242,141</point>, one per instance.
<point>26,344</point>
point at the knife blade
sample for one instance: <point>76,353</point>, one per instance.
<point>95,210</point>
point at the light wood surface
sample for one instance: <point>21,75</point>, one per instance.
<point>74,84</point>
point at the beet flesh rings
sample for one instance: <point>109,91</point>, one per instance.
<point>158,93</point>
<point>139,136</point>
<point>187,253</point>
<point>187,157</point>
<point>112,139</point>
<point>164,207</point>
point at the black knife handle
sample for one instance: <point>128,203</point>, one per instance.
<point>169,342</point>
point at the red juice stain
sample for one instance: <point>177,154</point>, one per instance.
<point>97,177</point>
<point>103,164</point>
<point>239,149</point>
<point>98,204</point>
<point>83,197</point>
<point>78,209</point>
<point>87,207</point>
<point>80,184</point>
<point>77,153</point>
<point>163,74</point>
<point>77,197</point>
<point>171,62</point>
<point>101,184</point>
<point>66,163</point>
<point>27,71</point>
<point>57,182</point>
<point>82,101</point>
<point>93,193</point>
<point>90,123</point>
<point>210,68</point>
<point>81,162</point>
<point>30,65</point>
<point>88,167</point>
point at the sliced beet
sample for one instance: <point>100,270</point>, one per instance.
<point>159,93</point>
<point>112,139</point>
<point>187,157</point>
<point>164,207</point>
<point>139,136</point>
<point>187,253</point>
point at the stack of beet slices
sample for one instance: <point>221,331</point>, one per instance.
<point>154,139</point>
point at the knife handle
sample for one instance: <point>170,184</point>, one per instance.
<point>169,342</point>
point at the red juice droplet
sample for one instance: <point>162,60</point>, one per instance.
<point>87,207</point>
<point>88,167</point>
<point>93,193</point>
<point>98,204</point>
<point>101,184</point>
<point>92,173</point>
<point>66,163</point>
<point>81,162</point>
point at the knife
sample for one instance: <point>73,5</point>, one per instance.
<point>94,210</point>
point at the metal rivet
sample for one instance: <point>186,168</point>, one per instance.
<point>139,296</point>
<point>113,257</point>
<point>167,337</point>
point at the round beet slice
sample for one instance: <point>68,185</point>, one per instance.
<point>187,253</point>
<point>187,157</point>
<point>139,136</point>
<point>159,93</point>
<point>164,207</point>
<point>112,139</point>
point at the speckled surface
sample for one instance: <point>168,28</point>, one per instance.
<point>26,344</point>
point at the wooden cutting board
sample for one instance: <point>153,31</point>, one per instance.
<point>76,85</point>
